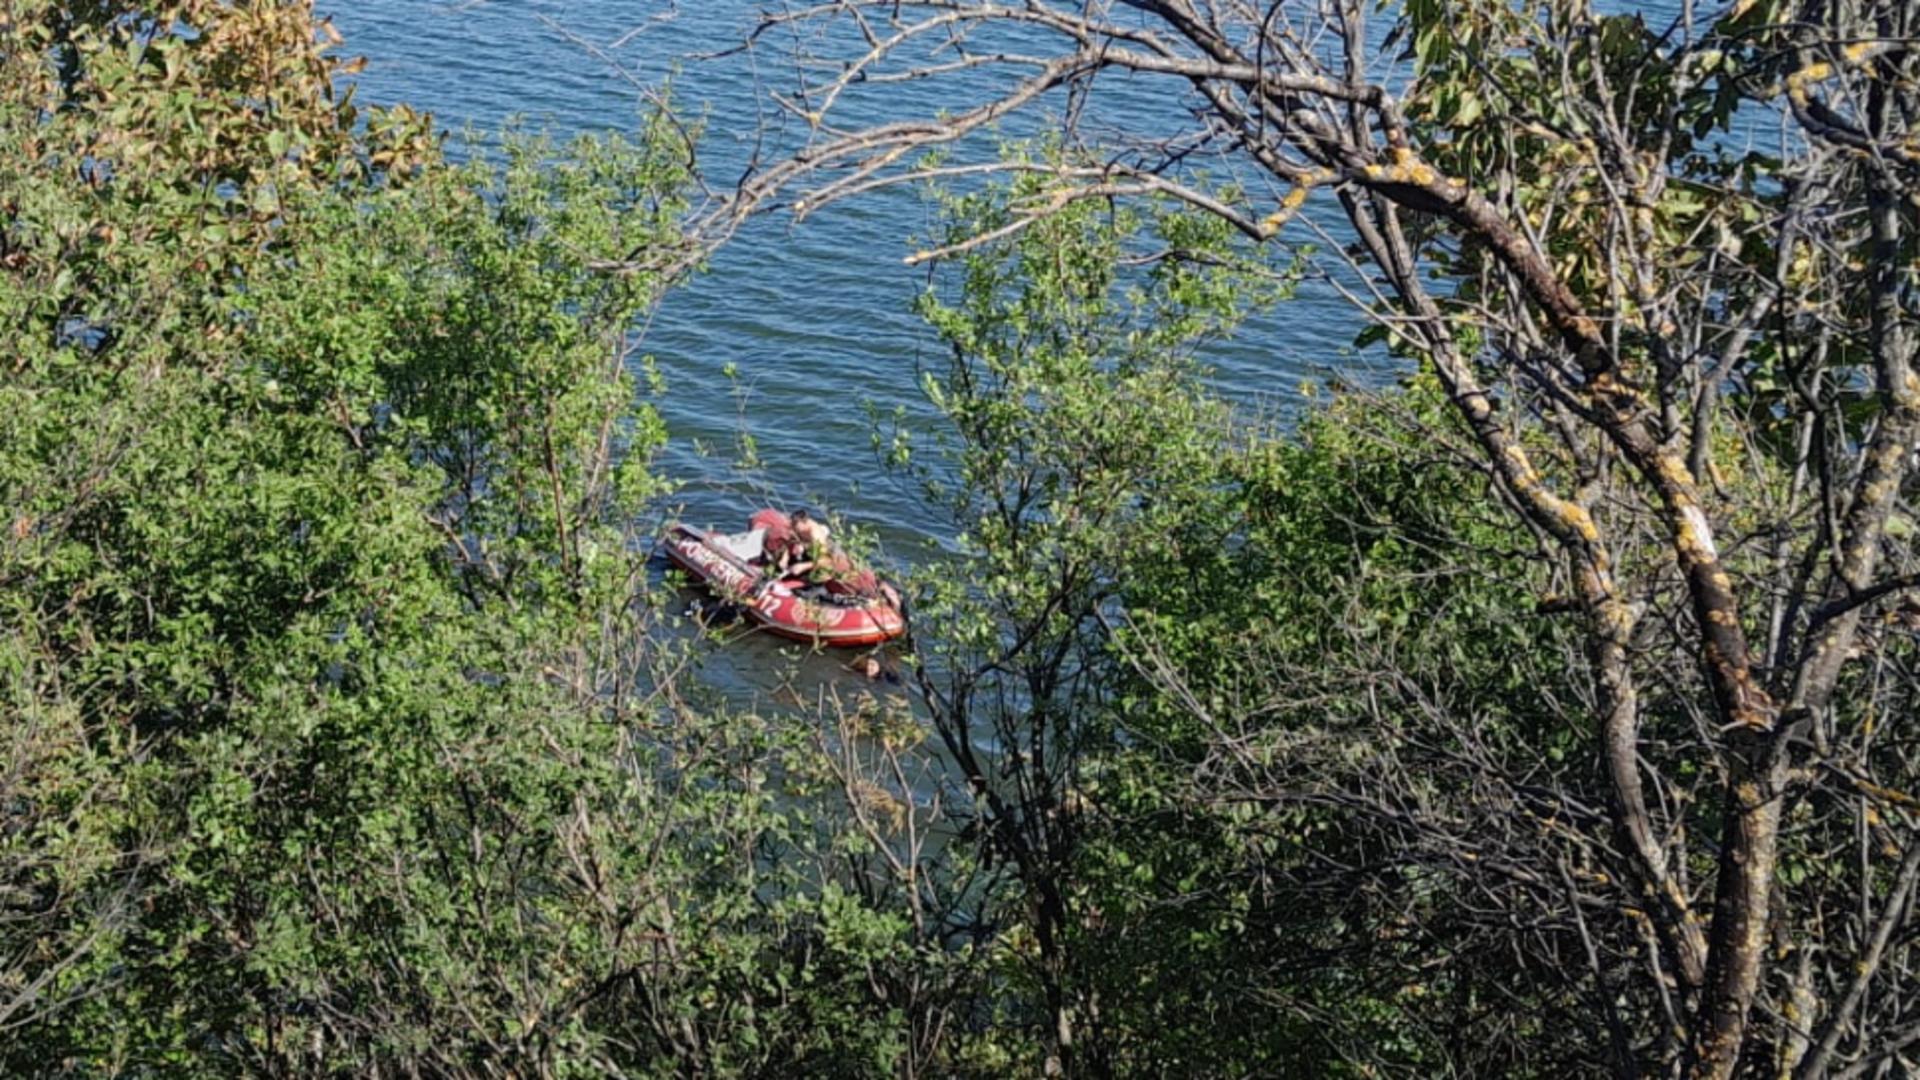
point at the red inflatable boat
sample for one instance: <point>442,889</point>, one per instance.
<point>732,565</point>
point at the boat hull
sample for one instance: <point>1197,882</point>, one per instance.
<point>778,608</point>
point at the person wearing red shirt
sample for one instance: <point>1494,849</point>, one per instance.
<point>778,530</point>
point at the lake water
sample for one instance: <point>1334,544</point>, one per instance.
<point>816,318</point>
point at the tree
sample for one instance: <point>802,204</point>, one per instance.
<point>341,731</point>
<point>1154,601</point>
<point>1686,368</point>
<point>1071,396</point>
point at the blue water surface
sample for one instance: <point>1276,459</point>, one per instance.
<point>815,318</point>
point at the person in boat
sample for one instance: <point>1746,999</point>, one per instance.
<point>781,549</point>
<point>808,549</point>
<point>801,546</point>
<point>828,565</point>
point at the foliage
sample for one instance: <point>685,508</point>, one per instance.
<point>1103,496</point>
<point>1156,597</point>
<point>1070,398</point>
<point>339,731</point>
<point>1546,713</point>
<point>1683,354</point>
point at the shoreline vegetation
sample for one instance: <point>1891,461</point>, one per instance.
<point>1549,712</point>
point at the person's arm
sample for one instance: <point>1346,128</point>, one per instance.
<point>789,567</point>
